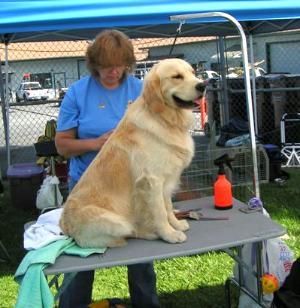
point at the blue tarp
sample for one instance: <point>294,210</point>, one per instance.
<point>82,19</point>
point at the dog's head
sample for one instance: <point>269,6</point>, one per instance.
<point>172,82</point>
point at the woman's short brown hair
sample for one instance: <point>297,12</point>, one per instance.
<point>110,48</point>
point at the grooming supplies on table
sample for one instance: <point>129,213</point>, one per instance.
<point>222,186</point>
<point>253,205</point>
<point>196,215</point>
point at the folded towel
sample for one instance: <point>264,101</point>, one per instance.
<point>34,290</point>
<point>44,231</point>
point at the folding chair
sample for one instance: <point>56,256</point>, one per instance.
<point>289,150</point>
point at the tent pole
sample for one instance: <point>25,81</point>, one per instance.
<point>4,117</point>
<point>224,105</point>
<point>7,138</point>
<point>5,107</point>
<point>181,18</point>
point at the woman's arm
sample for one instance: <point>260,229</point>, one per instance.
<point>68,145</point>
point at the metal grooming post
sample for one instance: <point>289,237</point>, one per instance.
<point>184,18</point>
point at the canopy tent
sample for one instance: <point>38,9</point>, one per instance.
<point>77,19</point>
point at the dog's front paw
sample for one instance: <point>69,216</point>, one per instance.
<point>175,237</point>
<point>182,225</point>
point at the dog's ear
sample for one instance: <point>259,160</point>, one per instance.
<point>152,91</point>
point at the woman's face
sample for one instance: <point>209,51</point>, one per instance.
<point>111,76</point>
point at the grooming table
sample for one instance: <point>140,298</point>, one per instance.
<point>211,235</point>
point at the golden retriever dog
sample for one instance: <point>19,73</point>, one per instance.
<point>126,191</point>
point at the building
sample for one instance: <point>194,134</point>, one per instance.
<point>60,63</point>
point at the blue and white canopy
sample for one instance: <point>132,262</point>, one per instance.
<point>78,19</point>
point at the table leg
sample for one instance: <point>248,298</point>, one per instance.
<point>259,270</point>
<point>66,281</point>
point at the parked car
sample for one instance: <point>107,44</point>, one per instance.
<point>31,90</point>
<point>238,72</point>
<point>204,75</point>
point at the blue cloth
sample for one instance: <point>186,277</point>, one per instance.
<point>34,290</point>
<point>94,110</point>
<point>238,141</point>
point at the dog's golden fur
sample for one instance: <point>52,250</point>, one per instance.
<point>126,191</point>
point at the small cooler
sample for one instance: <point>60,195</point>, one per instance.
<point>24,182</point>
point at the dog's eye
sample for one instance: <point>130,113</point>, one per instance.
<point>178,76</point>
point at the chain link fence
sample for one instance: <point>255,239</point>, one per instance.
<point>56,65</point>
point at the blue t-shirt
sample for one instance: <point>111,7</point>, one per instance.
<point>94,110</point>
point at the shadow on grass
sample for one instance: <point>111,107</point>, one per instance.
<point>12,222</point>
<point>203,297</point>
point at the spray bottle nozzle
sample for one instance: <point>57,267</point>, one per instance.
<point>223,160</point>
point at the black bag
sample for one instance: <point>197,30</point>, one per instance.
<point>288,296</point>
<point>235,127</point>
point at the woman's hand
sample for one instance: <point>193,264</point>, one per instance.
<point>68,145</point>
<point>99,142</point>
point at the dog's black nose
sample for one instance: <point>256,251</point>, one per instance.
<point>200,87</point>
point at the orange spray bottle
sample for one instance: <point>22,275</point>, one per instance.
<point>222,186</point>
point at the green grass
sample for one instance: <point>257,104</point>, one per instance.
<point>196,281</point>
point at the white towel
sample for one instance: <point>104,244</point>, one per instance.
<point>45,231</point>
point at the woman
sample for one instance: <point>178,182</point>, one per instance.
<point>90,110</point>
